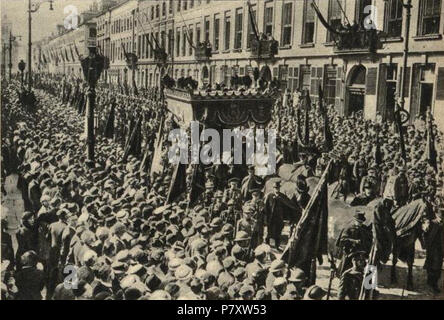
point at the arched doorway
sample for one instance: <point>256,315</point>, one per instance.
<point>355,97</point>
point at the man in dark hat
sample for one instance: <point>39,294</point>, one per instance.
<point>302,195</point>
<point>250,182</point>
<point>355,237</point>
<point>277,208</point>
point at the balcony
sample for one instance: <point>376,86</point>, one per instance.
<point>160,57</point>
<point>264,48</point>
<point>358,42</point>
<point>203,51</point>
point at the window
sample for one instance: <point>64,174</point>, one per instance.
<point>227,30</point>
<point>334,17</point>
<point>287,23</point>
<point>238,29</point>
<point>152,41</point>
<point>268,18</point>
<point>185,4</point>
<point>429,17</point>
<point>190,52</point>
<point>216,32</point>
<point>152,13</point>
<point>178,42</point>
<point>330,85</point>
<point>197,32</point>
<point>309,22</point>
<point>191,4</point>
<point>170,7</point>
<point>251,34</point>
<point>179,5</point>
<point>184,42</point>
<point>163,39</point>
<point>157,11</point>
<point>361,13</point>
<point>393,21</point>
<point>170,39</point>
<point>207,28</point>
<point>305,78</point>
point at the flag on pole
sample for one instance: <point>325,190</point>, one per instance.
<point>328,142</point>
<point>309,239</point>
<point>133,147</point>
<point>178,183</point>
<point>430,152</point>
<point>109,128</point>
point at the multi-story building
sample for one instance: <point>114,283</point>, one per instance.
<point>8,58</point>
<point>308,55</point>
<point>123,28</point>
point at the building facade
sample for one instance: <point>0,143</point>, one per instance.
<point>308,56</point>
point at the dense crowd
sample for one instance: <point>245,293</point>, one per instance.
<point>104,230</point>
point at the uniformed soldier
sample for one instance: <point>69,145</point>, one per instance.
<point>257,206</point>
<point>249,183</point>
<point>233,193</point>
<point>364,198</point>
<point>371,178</point>
<point>351,280</point>
<point>353,238</point>
<point>359,172</point>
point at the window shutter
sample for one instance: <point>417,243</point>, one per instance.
<point>440,85</point>
<point>382,90</point>
<point>371,81</point>
<point>414,101</point>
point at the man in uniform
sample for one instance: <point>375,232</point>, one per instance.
<point>233,193</point>
<point>250,182</point>
<point>371,178</point>
<point>257,206</point>
<point>365,197</point>
<point>351,280</point>
<point>353,238</point>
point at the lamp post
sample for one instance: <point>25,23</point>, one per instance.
<point>408,7</point>
<point>33,7</point>
<point>92,66</point>
<point>21,67</point>
<point>11,40</point>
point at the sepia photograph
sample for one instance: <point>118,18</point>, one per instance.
<point>222,150</point>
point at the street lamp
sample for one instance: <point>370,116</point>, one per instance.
<point>401,115</point>
<point>92,67</point>
<point>33,7</point>
<point>21,67</point>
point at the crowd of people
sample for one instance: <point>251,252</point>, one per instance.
<point>106,229</point>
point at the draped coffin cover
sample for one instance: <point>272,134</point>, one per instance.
<point>218,109</point>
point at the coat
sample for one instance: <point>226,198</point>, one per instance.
<point>30,283</point>
<point>277,209</point>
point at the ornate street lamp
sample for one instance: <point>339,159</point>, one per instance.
<point>92,67</point>
<point>33,7</point>
<point>21,67</point>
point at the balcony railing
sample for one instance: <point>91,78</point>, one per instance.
<point>203,51</point>
<point>264,48</point>
<point>358,41</point>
